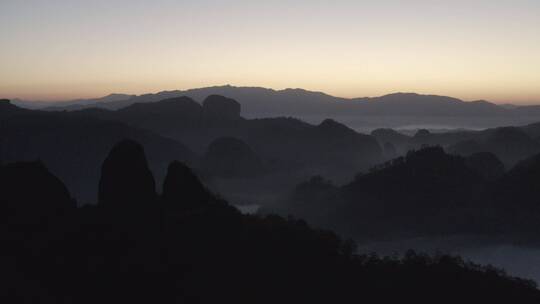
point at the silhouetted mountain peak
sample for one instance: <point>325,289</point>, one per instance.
<point>125,176</point>
<point>295,90</point>
<point>417,186</point>
<point>333,127</point>
<point>116,96</point>
<point>303,92</point>
<point>183,187</point>
<point>217,106</point>
<point>481,102</point>
<point>428,160</point>
<point>398,95</point>
<point>25,185</point>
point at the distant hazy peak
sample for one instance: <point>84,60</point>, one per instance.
<point>481,101</point>
<point>117,96</point>
<point>303,91</point>
<point>402,94</point>
<point>167,103</point>
<point>408,96</point>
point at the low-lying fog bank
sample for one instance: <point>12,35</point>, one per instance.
<point>516,260</point>
<point>366,124</point>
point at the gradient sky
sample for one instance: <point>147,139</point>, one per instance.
<point>471,49</point>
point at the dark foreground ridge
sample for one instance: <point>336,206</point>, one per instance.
<point>189,246</point>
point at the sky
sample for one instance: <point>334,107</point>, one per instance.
<point>470,49</point>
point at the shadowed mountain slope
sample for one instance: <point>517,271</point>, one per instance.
<point>24,187</point>
<point>288,149</point>
<point>229,157</point>
<point>203,252</point>
<point>284,141</point>
<point>427,193</point>
<point>125,177</point>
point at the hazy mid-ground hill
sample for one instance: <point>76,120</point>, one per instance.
<point>256,157</point>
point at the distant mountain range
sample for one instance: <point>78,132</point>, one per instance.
<point>397,110</point>
<point>71,105</point>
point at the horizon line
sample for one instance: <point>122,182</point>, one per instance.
<point>67,100</point>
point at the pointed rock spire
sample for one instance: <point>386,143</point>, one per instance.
<point>30,191</point>
<point>125,177</point>
<point>183,187</point>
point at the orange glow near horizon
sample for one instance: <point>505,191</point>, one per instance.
<point>60,50</point>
